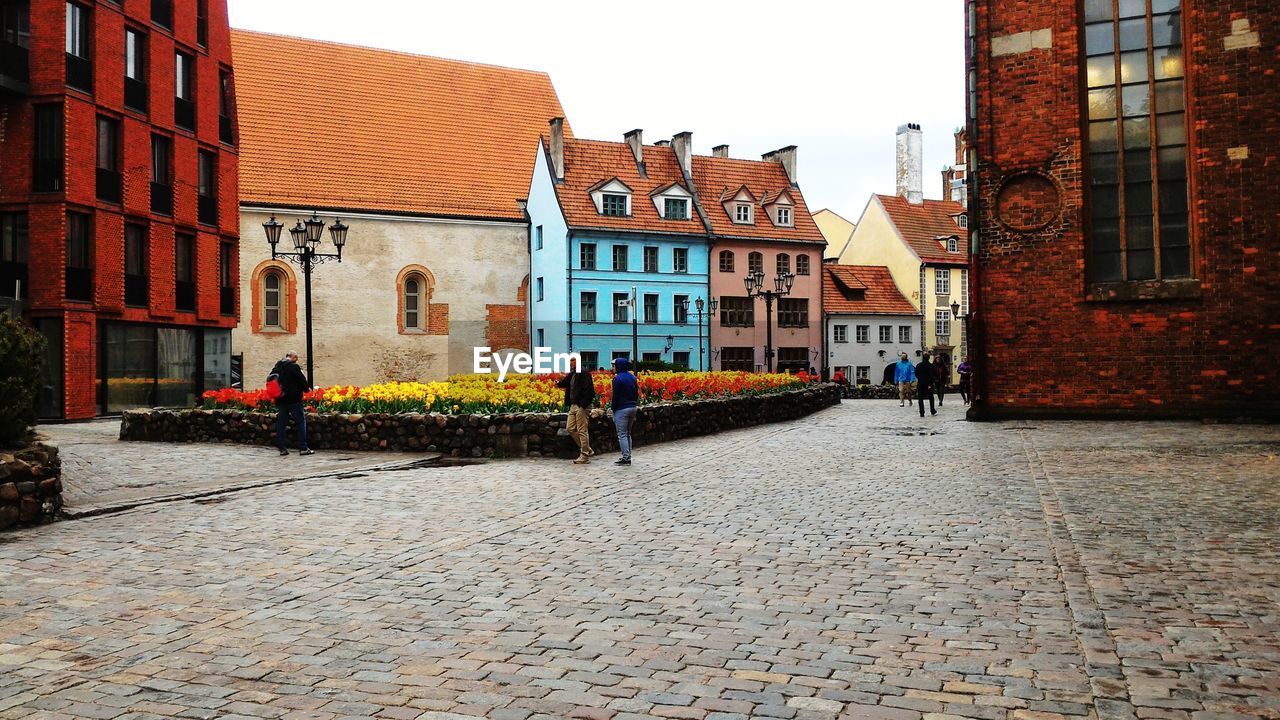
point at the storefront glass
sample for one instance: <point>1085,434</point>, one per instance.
<point>177,367</point>
<point>217,359</point>
<point>130,358</point>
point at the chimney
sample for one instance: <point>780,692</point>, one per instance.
<point>682,143</point>
<point>663,143</point>
<point>787,157</point>
<point>557,148</point>
<point>720,151</point>
<point>635,139</point>
<point>911,163</point>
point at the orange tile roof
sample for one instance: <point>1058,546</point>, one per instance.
<point>862,290</point>
<point>715,176</point>
<point>921,225</point>
<point>345,127</point>
<point>590,163</point>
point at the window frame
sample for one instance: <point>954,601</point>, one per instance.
<point>905,333</point>
<point>727,254</point>
<point>885,334</point>
<point>583,253</point>
<point>680,260</point>
<point>537,237</point>
<point>942,281</point>
<point>739,216</point>
<point>669,203</point>
<point>588,300</point>
<point>755,262</point>
<point>79,286</point>
<point>784,216</point>
<point>737,311</point>
<point>651,256</point>
<point>615,204</point>
<point>862,334</point>
<point>49,149</point>
<point>280,290</point>
<point>136,264</point>
<point>416,295</point>
<point>651,302</point>
<point>186,250</point>
<point>803,264</point>
<point>621,313</point>
<point>942,323</point>
<point>840,333</point>
<point>680,311</point>
<point>624,252</point>
<point>793,312</point>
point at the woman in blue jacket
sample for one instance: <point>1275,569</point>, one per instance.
<point>626,393</point>
<point>904,373</point>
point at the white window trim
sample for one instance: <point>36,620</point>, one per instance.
<point>862,333</point>
<point>737,207</point>
<point>942,323</point>
<point>840,333</point>
<point>787,221</point>
<point>941,281</point>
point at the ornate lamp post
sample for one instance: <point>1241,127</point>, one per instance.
<point>955,313</point>
<point>781,288</point>
<point>710,309</point>
<point>306,242</point>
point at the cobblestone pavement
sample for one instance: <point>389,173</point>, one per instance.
<point>861,563</point>
<point>100,473</point>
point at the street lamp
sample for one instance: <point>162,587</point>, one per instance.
<point>781,287</point>
<point>306,236</point>
<point>710,309</point>
<point>955,313</point>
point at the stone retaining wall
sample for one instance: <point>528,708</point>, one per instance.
<point>515,435</point>
<point>30,486</point>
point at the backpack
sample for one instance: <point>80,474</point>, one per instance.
<point>272,390</point>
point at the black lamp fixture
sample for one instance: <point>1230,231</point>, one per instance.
<point>671,341</point>
<point>306,237</point>
<point>704,309</point>
<point>782,285</point>
<point>955,311</point>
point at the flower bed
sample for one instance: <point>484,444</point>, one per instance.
<point>485,395</point>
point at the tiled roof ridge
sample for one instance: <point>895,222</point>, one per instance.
<point>387,51</point>
<point>927,201</point>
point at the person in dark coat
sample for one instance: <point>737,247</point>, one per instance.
<point>579,395</point>
<point>966,379</point>
<point>924,384</point>
<point>626,396</point>
<point>941,375</point>
<point>293,385</point>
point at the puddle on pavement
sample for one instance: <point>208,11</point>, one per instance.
<point>911,431</point>
<point>435,462</point>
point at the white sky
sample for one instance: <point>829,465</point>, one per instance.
<point>834,77</point>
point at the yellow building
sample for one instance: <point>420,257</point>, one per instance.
<point>835,229</point>
<point>925,246</point>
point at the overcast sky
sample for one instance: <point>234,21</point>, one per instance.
<point>834,77</point>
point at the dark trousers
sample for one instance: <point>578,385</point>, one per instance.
<point>964,390</point>
<point>292,410</point>
<point>941,390</point>
<point>921,394</point>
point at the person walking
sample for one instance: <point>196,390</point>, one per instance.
<point>941,375</point>
<point>626,394</point>
<point>966,378</point>
<point>924,384</point>
<point>293,385</point>
<point>579,395</point>
<point>904,373</point>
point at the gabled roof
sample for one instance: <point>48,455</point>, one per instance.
<point>669,186</point>
<point>713,176</point>
<point>862,290</point>
<point>922,225</point>
<point>587,162</point>
<point>345,127</point>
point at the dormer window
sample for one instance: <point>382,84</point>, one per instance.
<point>615,205</point>
<point>953,245</point>
<point>742,213</point>
<point>676,209</point>
<point>962,221</point>
<point>784,216</point>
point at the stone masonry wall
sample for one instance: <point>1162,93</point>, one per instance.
<point>513,435</point>
<point>30,486</point>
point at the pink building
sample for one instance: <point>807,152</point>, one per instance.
<point>759,222</point>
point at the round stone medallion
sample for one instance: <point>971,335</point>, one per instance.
<point>1028,202</point>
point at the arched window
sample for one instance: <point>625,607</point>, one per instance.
<point>784,263</point>
<point>802,264</point>
<point>953,245</point>
<point>726,261</point>
<point>272,292</point>
<point>755,263</point>
<point>413,286</point>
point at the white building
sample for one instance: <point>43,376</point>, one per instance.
<point>868,322</point>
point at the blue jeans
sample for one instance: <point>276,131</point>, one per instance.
<point>293,410</point>
<point>624,419</point>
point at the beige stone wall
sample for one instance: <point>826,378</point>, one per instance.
<point>357,335</point>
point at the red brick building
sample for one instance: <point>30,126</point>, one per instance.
<point>119,221</point>
<point>1126,155</point>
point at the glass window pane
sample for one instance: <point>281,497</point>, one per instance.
<point>1098,10</point>
<point>1106,235</point>
<point>1102,103</point>
<point>1159,6</point>
<point>217,359</point>
<point>1133,67</point>
<point>1104,201</point>
<point>1100,39</point>
<point>1133,34</point>
<point>1168,62</point>
<point>1133,8</point>
<point>411,319</point>
<point>1166,30</point>
<point>1137,166</point>
<point>1171,129</point>
<point>1137,199</point>
<point>1139,232</point>
<point>1101,71</point>
<point>1136,100</point>
<point>1142,264</point>
<point>1106,267</point>
<point>130,367</point>
<point>1172,163</point>
<point>1175,262</point>
<point>1104,169</point>
<point>1102,136</point>
<point>1173,197</point>
<point>1169,96</point>
<point>272,318</point>
<point>1137,133</point>
<point>1173,231</point>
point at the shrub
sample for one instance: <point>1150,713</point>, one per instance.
<point>659,366</point>
<point>21,359</point>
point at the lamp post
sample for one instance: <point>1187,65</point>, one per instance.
<point>955,313</point>
<point>306,236</point>
<point>710,309</point>
<point>781,288</point>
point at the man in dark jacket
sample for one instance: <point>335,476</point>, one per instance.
<point>579,395</point>
<point>626,395</point>
<point>924,384</point>
<point>293,385</point>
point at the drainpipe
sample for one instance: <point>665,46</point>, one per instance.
<point>568,250</point>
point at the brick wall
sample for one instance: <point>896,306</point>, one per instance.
<point>46,211</point>
<point>1046,344</point>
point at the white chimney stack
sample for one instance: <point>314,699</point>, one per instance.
<point>635,139</point>
<point>682,143</point>
<point>911,163</point>
<point>720,151</point>
<point>557,147</point>
<point>787,158</point>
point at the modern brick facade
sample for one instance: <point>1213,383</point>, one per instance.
<point>153,329</point>
<point>1088,300</point>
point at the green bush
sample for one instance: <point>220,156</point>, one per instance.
<point>21,358</point>
<point>659,366</point>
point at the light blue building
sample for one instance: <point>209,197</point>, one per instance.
<point>618,250</point>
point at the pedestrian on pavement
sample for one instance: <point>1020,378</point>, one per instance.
<point>293,385</point>
<point>941,375</point>
<point>966,378</point>
<point>579,396</point>
<point>904,373</point>
<point>924,384</point>
<point>626,393</point>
